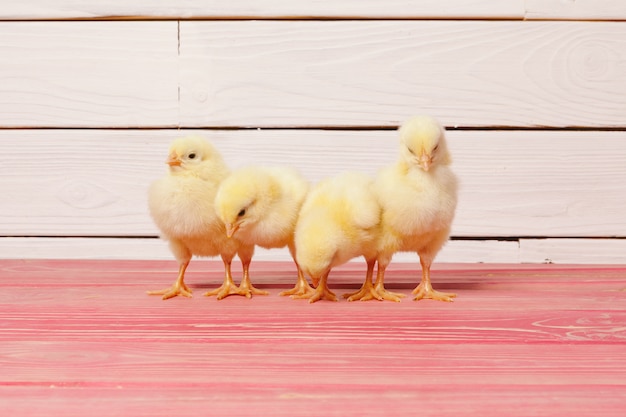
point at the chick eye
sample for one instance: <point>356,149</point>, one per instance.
<point>241,213</point>
<point>410,150</point>
<point>191,156</point>
<point>435,148</point>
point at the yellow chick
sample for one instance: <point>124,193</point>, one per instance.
<point>260,206</point>
<point>419,197</point>
<point>339,220</point>
<point>182,206</point>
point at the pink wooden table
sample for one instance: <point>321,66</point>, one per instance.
<point>81,338</point>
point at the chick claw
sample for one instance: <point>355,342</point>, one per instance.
<point>302,288</point>
<point>248,290</point>
<point>320,293</point>
<point>324,294</point>
<point>173,291</point>
<point>370,292</point>
<point>366,293</point>
<point>426,291</point>
<point>226,289</point>
<point>388,295</point>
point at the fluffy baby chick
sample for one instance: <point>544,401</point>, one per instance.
<point>339,220</point>
<point>260,206</point>
<point>182,206</point>
<point>419,196</point>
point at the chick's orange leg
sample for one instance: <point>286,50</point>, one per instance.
<point>228,287</point>
<point>379,287</point>
<point>367,291</point>
<point>374,291</point>
<point>425,288</point>
<point>322,292</point>
<point>246,288</point>
<point>178,288</point>
<point>302,287</point>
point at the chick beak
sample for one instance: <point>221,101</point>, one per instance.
<point>425,161</point>
<point>231,229</point>
<point>173,160</point>
<point>315,280</point>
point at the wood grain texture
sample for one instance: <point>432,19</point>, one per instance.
<point>88,74</point>
<point>184,9</point>
<point>81,338</point>
<point>536,251</point>
<point>486,251</point>
<point>196,9</point>
<point>282,399</point>
<point>576,9</point>
<point>513,183</point>
<point>311,73</point>
<point>559,251</point>
<point>467,73</point>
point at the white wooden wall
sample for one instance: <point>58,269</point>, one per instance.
<point>533,94</point>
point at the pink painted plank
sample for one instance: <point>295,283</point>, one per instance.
<point>273,318</point>
<point>298,362</point>
<point>82,338</point>
<point>317,400</point>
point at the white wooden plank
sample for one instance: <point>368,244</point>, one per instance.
<point>573,251</point>
<point>88,74</point>
<point>576,9</point>
<point>488,251</point>
<point>376,73</point>
<point>83,248</point>
<point>62,9</point>
<point>78,182</point>
<point>513,183</point>
<point>550,183</point>
<point>559,251</point>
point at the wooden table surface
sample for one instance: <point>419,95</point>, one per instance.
<point>82,338</point>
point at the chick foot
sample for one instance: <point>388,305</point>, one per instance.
<point>178,288</point>
<point>302,288</point>
<point>425,291</point>
<point>248,290</point>
<point>226,289</point>
<point>379,287</point>
<point>374,292</point>
<point>322,293</point>
<point>366,293</point>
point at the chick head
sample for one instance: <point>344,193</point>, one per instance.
<point>244,198</point>
<point>423,143</point>
<point>190,152</point>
